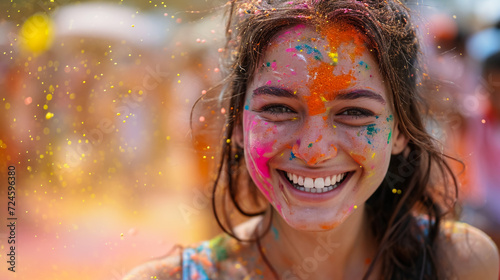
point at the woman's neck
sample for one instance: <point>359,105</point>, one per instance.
<point>335,254</point>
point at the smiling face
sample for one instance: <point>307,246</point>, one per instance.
<point>318,129</point>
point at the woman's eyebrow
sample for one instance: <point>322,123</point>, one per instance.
<point>362,93</point>
<point>274,91</point>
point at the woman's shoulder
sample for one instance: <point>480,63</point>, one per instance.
<point>471,253</point>
<point>166,268</point>
<point>204,260</point>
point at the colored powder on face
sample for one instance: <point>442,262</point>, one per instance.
<point>371,129</point>
<point>340,33</point>
<point>308,49</point>
<point>246,107</point>
<point>351,208</point>
<point>325,85</point>
<point>329,226</point>
<point>363,63</point>
<point>335,57</point>
<point>276,233</point>
<point>261,161</point>
<point>292,155</point>
<point>390,118</point>
<point>310,145</point>
<point>358,158</point>
<point>273,65</point>
<point>389,137</point>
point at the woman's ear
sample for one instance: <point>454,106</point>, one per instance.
<point>399,140</point>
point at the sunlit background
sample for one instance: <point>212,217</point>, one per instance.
<point>95,106</point>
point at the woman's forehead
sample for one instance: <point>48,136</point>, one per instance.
<point>320,61</point>
<point>329,43</point>
<point>331,35</point>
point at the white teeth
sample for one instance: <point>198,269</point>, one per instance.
<point>308,183</point>
<point>319,183</point>
<point>327,181</point>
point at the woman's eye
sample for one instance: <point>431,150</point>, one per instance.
<point>277,112</point>
<point>277,109</point>
<point>357,113</point>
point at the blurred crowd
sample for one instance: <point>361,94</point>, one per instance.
<point>95,113</point>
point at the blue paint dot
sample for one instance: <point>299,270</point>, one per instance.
<point>246,107</point>
<point>292,156</point>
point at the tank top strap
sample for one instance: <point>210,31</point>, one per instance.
<point>424,223</point>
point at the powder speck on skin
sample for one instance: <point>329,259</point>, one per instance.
<point>276,233</point>
<point>358,158</point>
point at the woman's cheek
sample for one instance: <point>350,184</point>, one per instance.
<point>260,138</point>
<point>369,145</point>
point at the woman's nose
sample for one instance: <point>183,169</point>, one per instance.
<point>314,144</point>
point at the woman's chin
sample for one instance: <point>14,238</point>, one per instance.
<point>315,222</point>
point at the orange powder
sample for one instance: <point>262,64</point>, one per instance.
<point>358,158</point>
<point>325,85</point>
<point>329,225</point>
<point>339,33</point>
<point>324,82</point>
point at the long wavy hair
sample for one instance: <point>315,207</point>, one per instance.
<point>419,181</point>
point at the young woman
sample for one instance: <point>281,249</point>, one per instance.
<point>325,126</point>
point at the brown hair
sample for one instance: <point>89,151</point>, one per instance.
<point>406,247</point>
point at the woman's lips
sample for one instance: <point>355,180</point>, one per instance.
<point>313,195</point>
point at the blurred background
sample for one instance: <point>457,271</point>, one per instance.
<point>95,106</point>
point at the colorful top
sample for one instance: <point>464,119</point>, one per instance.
<point>205,261</point>
<point>200,262</point>
<point>223,253</point>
